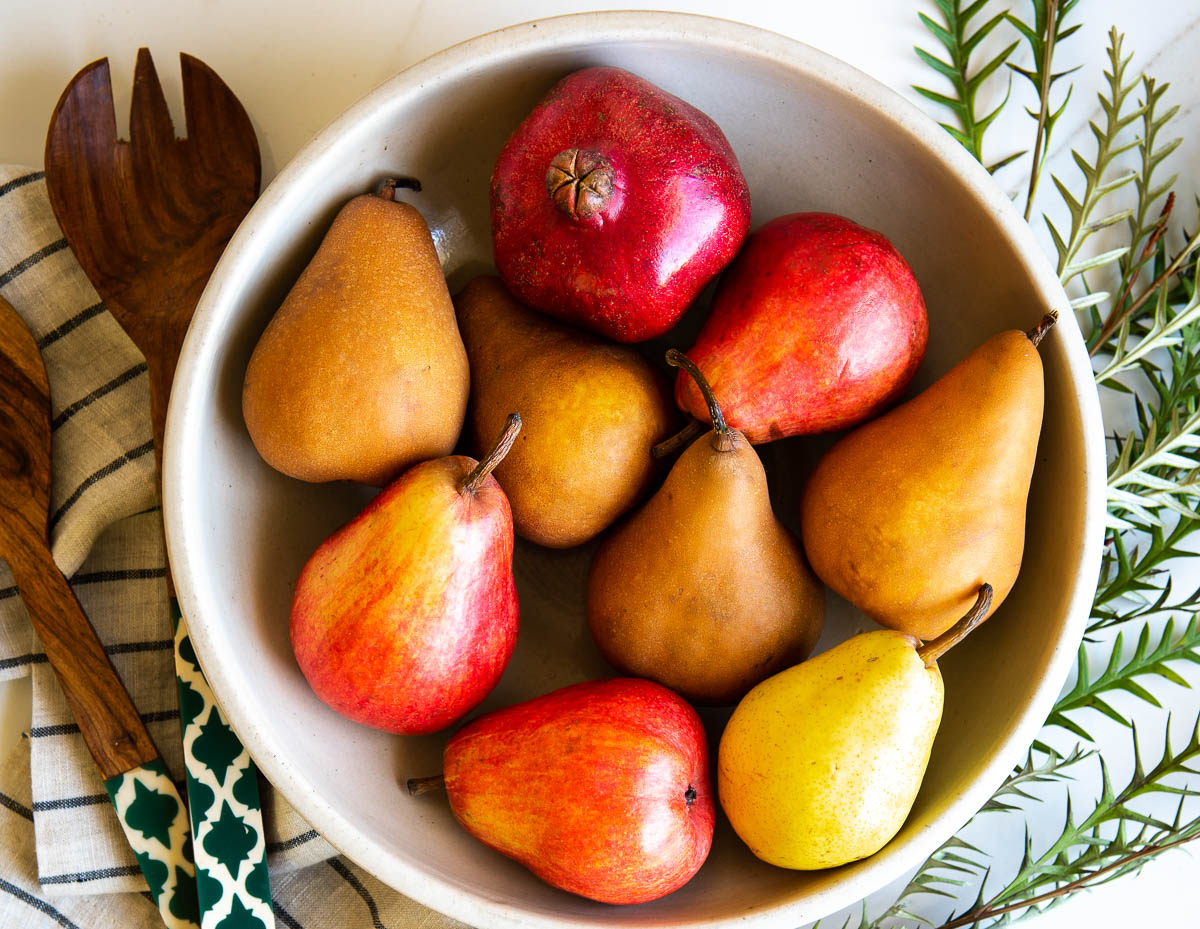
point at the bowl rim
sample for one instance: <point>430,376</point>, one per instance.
<point>198,357</point>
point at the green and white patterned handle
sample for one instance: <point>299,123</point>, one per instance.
<point>156,824</point>
<point>222,782</point>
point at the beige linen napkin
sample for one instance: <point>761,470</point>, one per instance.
<point>63,857</point>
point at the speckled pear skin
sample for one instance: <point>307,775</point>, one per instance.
<point>907,515</point>
<point>820,764</point>
<point>591,412</point>
<point>703,589</point>
<point>361,373</point>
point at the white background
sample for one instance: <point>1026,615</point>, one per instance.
<point>297,65</point>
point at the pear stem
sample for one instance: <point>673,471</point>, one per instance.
<point>387,189</point>
<point>508,435</point>
<point>424,785</point>
<point>684,437</point>
<point>1037,332</point>
<point>723,441</point>
<point>930,652</point>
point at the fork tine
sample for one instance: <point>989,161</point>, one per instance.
<point>154,149</point>
<point>149,119</point>
<point>221,139</point>
<point>82,156</point>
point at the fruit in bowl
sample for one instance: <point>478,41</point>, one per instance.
<point>601,788</point>
<point>361,372</point>
<point>817,325</point>
<point>405,618</point>
<point>240,532</point>
<point>614,203</point>
<point>703,589</point>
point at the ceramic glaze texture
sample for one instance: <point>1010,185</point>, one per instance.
<point>240,533</point>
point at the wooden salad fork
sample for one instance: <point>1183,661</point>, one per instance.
<point>148,218</point>
<point>149,807</point>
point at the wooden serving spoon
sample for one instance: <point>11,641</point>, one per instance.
<point>115,735</point>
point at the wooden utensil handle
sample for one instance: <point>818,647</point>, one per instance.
<point>107,718</point>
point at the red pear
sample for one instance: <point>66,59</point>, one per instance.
<point>601,788</point>
<point>614,203</point>
<point>405,618</point>
<point>818,325</point>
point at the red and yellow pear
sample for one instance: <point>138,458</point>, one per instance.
<point>405,618</point>
<point>601,788</point>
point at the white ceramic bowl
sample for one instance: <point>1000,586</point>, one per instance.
<point>811,133</point>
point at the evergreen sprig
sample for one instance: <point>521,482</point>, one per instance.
<point>1111,142</point>
<point>1134,583</point>
<point>961,40</point>
<point>1147,338</point>
<point>1145,229</point>
<point>1114,838</point>
<point>1048,29</point>
<point>1122,674</point>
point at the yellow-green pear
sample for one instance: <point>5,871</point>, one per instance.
<point>361,372</point>
<point>820,764</point>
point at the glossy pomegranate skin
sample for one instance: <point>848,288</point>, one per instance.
<point>672,212</point>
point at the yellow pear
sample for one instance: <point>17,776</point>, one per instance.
<point>703,589</point>
<point>908,514</point>
<point>361,372</point>
<point>820,764</point>
<point>591,412</point>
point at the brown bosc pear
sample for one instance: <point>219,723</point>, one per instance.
<point>361,372</point>
<point>591,411</point>
<point>703,589</point>
<point>908,514</point>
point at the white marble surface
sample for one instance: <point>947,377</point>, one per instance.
<point>297,65</point>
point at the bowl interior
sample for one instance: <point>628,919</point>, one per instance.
<point>810,134</point>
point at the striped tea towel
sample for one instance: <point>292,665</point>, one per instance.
<point>63,859</point>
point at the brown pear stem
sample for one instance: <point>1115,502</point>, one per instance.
<point>723,442</point>
<point>684,437</point>
<point>508,435</point>
<point>387,190</point>
<point>424,785</point>
<point>1037,332</point>
<point>930,652</point>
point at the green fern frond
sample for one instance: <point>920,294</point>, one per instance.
<point>966,77</point>
<point>1043,37</point>
<point>1110,144</point>
<point>1121,675</point>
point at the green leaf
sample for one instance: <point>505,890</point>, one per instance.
<point>966,76</point>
